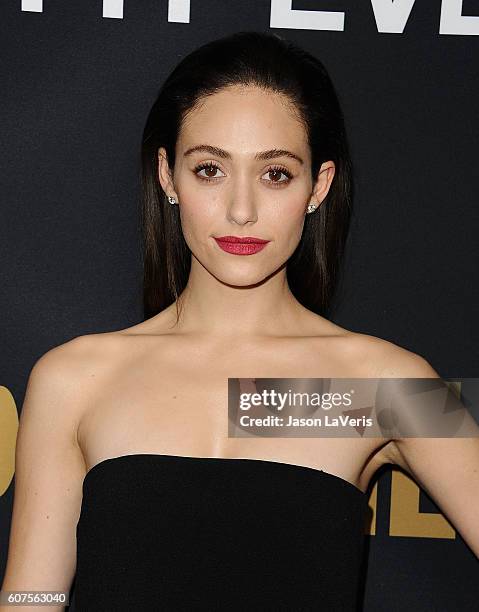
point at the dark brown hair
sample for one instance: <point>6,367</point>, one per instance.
<point>272,63</point>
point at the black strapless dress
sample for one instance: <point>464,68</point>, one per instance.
<point>178,533</point>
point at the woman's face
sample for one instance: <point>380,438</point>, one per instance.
<point>232,190</point>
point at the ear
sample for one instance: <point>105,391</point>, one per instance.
<point>323,182</point>
<point>164,174</point>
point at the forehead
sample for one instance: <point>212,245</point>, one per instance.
<point>243,117</point>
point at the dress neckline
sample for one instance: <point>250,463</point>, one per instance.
<point>135,456</point>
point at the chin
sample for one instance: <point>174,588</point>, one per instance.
<point>242,278</point>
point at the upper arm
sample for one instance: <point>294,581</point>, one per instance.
<point>447,468</point>
<point>49,471</point>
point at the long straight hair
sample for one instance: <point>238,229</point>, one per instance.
<point>273,64</point>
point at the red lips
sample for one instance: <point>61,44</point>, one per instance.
<point>244,239</point>
<point>241,245</point>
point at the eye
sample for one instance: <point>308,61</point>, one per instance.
<point>210,168</point>
<point>277,170</point>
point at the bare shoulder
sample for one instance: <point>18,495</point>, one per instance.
<point>59,358</point>
<point>60,366</point>
<point>75,367</point>
<point>81,352</point>
<point>49,464</point>
<point>384,359</point>
<point>59,388</point>
<point>388,360</point>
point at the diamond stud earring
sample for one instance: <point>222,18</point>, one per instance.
<point>171,200</point>
<point>311,207</point>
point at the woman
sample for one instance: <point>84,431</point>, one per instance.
<point>125,471</point>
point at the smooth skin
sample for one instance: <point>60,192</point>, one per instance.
<point>161,387</point>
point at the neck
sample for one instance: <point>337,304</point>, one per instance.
<point>211,307</point>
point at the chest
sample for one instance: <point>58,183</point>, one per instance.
<point>176,403</point>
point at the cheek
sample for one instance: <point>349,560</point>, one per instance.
<point>290,221</point>
<point>197,221</point>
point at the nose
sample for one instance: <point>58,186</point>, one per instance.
<point>242,207</point>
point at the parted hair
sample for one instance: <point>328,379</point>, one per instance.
<point>281,66</point>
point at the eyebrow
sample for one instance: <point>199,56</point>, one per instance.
<point>262,155</point>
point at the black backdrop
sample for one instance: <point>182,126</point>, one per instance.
<point>77,81</point>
